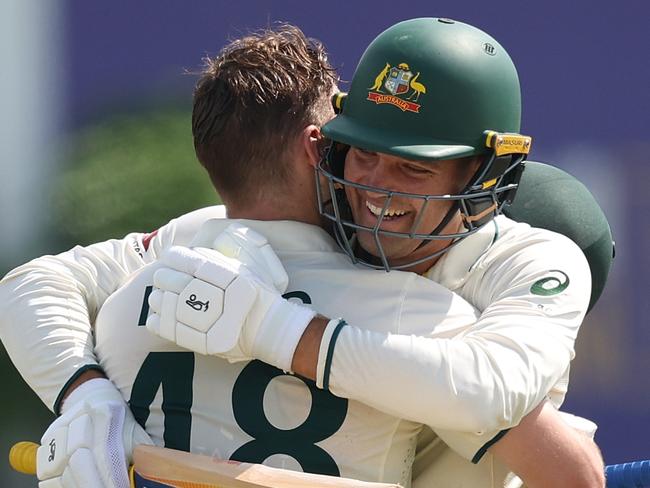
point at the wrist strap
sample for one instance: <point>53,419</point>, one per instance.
<point>280,332</point>
<point>326,352</point>
<point>83,390</point>
<point>56,408</point>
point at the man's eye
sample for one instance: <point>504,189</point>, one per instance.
<point>365,151</point>
<point>417,169</point>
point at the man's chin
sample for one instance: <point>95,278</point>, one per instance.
<point>396,252</point>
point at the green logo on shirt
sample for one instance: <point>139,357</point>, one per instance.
<point>551,285</point>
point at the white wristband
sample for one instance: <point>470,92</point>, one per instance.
<point>280,331</point>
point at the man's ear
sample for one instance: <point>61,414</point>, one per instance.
<point>312,143</point>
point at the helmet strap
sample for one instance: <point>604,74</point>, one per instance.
<point>443,223</point>
<point>494,173</point>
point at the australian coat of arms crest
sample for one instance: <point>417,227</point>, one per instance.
<point>397,85</point>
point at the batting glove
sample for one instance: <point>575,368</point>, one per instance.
<point>91,443</point>
<point>253,250</point>
<point>212,304</point>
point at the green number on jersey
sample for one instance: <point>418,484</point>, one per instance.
<point>175,372</point>
<point>325,418</point>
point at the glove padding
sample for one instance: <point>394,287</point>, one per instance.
<point>252,250</point>
<point>91,443</point>
<point>209,303</point>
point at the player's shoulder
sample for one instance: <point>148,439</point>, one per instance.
<point>511,232</point>
<point>523,259</point>
<point>190,222</point>
<point>429,307</point>
<point>512,259</point>
<point>522,252</point>
<point>512,237</point>
<point>504,246</point>
<point>181,230</point>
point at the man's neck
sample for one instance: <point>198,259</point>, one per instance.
<point>272,211</point>
<point>429,248</point>
<point>420,268</point>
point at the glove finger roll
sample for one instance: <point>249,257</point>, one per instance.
<point>168,316</point>
<point>182,259</point>
<point>155,300</point>
<point>153,323</point>
<point>241,233</point>
<point>224,335</point>
<point>171,280</point>
<point>219,270</point>
<point>276,269</point>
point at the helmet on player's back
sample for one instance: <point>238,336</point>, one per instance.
<point>428,90</point>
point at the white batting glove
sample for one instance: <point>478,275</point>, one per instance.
<point>253,250</point>
<point>211,304</point>
<point>91,443</point>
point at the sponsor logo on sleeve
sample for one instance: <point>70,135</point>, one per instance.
<point>556,282</point>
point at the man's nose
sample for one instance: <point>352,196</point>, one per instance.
<point>380,175</point>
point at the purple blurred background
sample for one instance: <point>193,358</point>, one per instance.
<point>585,77</point>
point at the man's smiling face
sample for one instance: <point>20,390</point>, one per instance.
<point>392,173</point>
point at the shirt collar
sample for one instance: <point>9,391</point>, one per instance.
<point>283,235</point>
<point>452,269</point>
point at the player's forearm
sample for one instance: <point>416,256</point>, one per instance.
<point>46,330</point>
<point>48,305</point>
<point>490,376</point>
<point>544,451</point>
<point>305,358</point>
<point>82,378</point>
<point>445,375</point>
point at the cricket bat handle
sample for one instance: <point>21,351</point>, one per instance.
<point>22,458</point>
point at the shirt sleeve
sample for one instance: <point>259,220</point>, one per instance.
<point>49,304</point>
<point>474,447</point>
<point>489,375</point>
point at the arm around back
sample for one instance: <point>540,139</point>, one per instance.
<point>543,450</point>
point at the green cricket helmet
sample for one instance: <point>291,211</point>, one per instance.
<point>429,89</point>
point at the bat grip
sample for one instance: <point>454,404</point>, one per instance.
<point>22,458</point>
